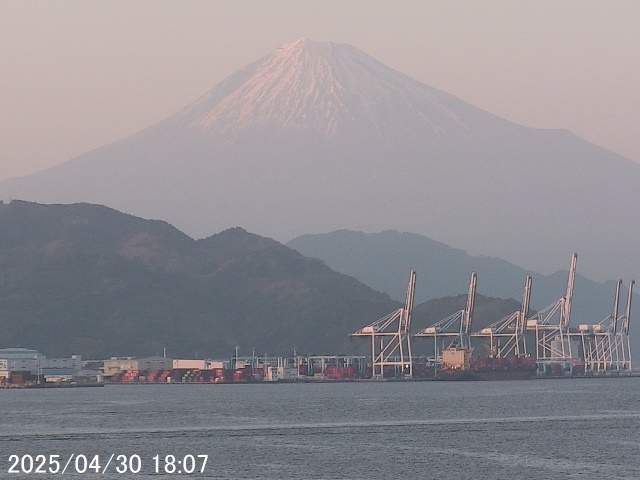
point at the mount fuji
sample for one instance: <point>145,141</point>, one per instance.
<point>318,136</point>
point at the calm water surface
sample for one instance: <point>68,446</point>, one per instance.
<point>546,429</point>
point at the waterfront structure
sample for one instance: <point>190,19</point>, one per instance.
<point>62,375</point>
<point>391,339</point>
<point>117,365</point>
<point>179,364</point>
<point>606,346</point>
<point>32,362</point>
<point>506,336</point>
<point>602,348</point>
<point>555,352</point>
<point>455,330</point>
<point>19,360</point>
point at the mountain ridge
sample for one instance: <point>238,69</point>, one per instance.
<point>90,280</point>
<point>445,270</point>
<point>400,155</point>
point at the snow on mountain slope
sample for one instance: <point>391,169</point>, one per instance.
<point>329,88</point>
<point>318,136</point>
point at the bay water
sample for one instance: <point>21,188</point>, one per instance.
<point>536,429</point>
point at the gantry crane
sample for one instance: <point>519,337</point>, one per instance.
<point>506,336</point>
<point>622,342</point>
<point>455,330</point>
<point>390,339</point>
<point>599,340</point>
<point>606,344</point>
<point>553,343</point>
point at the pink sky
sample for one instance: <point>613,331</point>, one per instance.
<point>77,75</point>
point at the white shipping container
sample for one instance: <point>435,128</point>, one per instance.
<point>188,364</point>
<point>213,364</point>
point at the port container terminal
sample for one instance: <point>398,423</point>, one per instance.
<point>522,345</point>
<point>519,345</point>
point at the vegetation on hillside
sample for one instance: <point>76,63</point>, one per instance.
<point>90,280</point>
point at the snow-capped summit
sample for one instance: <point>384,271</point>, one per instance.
<point>327,88</point>
<point>300,85</point>
<point>319,136</point>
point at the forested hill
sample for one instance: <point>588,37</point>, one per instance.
<point>90,280</point>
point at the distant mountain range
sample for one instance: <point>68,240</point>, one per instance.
<point>90,280</point>
<point>320,136</point>
<point>380,260</point>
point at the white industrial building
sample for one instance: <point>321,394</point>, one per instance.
<point>117,365</point>
<point>35,363</point>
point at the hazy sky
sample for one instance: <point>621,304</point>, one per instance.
<point>75,75</point>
